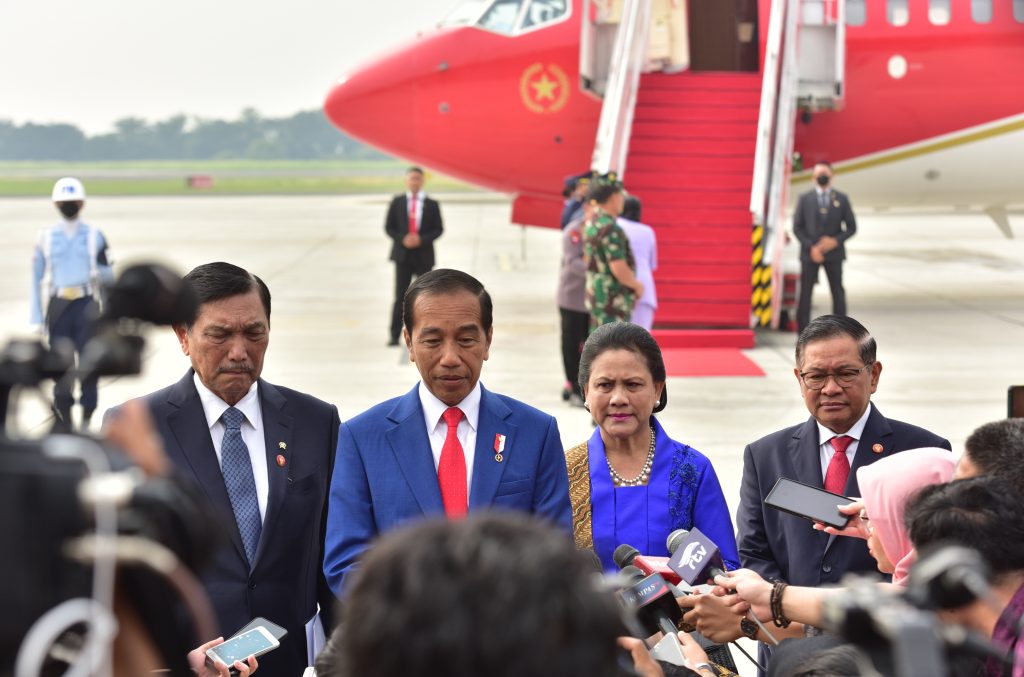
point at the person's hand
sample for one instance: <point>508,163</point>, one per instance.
<point>855,527</point>
<point>643,664</point>
<point>714,618</point>
<point>827,243</point>
<point>817,255</point>
<point>412,240</point>
<point>638,289</point>
<point>692,651</point>
<point>130,428</point>
<point>197,661</point>
<point>749,587</point>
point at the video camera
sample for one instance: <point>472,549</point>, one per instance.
<point>74,512</point>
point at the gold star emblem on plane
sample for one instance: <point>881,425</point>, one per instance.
<point>544,88</point>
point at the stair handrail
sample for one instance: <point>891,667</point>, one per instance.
<point>782,154</point>
<point>613,130</point>
<point>766,118</point>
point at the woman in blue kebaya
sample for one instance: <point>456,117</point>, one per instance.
<point>631,482</point>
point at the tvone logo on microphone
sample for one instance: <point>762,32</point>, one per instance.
<point>694,555</point>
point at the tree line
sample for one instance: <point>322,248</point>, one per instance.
<point>306,135</point>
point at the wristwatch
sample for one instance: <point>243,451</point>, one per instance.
<point>748,628</point>
<point>705,666</point>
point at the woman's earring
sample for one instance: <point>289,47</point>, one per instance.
<point>586,405</point>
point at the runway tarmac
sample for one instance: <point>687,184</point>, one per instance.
<point>942,294</point>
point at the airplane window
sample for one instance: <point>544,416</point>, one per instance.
<point>544,11</point>
<point>1018,10</point>
<point>981,11</point>
<point>466,13</point>
<point>938,12</point>
<point>856,12</point>
<point>897,12</point>
<point>502,16</point>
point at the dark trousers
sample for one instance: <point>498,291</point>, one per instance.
<point>404,272</point>
<point>808,278</point>
<point>73,321</point>
<point>575,327</point>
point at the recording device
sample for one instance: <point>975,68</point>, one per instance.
<point>812,503</point>
<point>948,577</point>
<point>656,610</point>
<point>78,510</point>
<point>255,642</point>
<point>625,555</point>
<point>276,630</point>
<point>696,558</point>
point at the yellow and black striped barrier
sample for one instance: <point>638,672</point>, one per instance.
<point>760,280</point>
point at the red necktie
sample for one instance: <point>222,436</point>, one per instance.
<point>839,467</point>
<point>451,469</point>
<point>413,226</point>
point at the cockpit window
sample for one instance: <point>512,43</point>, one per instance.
<point>541,12</point>
<point>507,17</point>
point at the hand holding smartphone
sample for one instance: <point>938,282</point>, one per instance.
<point>254,642</point>
<point>811,503</point>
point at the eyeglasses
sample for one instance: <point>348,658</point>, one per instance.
<point>816,380</point>
<point>865,522</point>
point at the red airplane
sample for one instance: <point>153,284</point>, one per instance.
<point>932,114</point>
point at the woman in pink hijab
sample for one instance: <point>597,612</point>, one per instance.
<point>886,486</point>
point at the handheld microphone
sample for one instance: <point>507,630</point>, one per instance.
<point>651,597</point>
<point>696,558</point>
<point>948,577</point>
<point>626,555</point>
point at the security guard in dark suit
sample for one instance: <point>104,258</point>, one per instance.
<point>823,222</point>
<point>413,223</point>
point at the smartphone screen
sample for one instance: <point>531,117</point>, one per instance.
<point>252,643</point>
<point>808,502</point>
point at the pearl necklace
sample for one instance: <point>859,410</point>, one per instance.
<point>645,472</point>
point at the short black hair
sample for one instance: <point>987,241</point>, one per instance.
<point>826,327</point>
<point>631,208</point>
<point>219,280</point>
<point>824,162</point>
<point>600,191</point>
<point>982,513</point>
<point>414,170</point>
<point>447,281</point>
<point>997,448</point>
<point>845,660</point>
<point>625,336</point>
<point>501,595</point>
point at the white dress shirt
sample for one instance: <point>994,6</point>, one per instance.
<point>252,434</point>
<point>437,428</point>
<point>419,207</point>
<point>826,451</point>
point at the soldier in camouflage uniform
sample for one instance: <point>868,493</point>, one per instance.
<point>611,280</point>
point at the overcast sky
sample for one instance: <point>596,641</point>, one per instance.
<point>90,62</point>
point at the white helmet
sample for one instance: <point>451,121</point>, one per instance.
<point>68,189</point>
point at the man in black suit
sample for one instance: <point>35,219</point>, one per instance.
<point>837,371</point>
<point>413,223</point>
<point>823,222</point>
<point>263,455</point>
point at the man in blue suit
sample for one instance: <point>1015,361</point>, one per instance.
<point>449,445</point>
<point>262,455</point>
<point>837,370</point>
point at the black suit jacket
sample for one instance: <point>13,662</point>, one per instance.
<point>287,581</point>
<point>396,225</point>
<point>809,226</point>
<point>778,545</point>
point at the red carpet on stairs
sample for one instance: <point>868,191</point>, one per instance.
<point>691,163</point>
<point>709,362</point>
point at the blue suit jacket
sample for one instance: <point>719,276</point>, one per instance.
<point>778,545</point>
<point>285,583</point>
<point>384,473</point>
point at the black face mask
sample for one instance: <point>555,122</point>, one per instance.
<point>822,180</point>
<point>69,209</point>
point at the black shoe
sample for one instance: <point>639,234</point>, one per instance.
<point>392,343</point>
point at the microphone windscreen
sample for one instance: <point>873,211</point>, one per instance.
<point>624,555</point>
<point>151,293</point>
<point>675,539</point>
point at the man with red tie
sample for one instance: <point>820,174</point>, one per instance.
<point>447,447</point>
<point>837,370</point>
<point>413,223</point>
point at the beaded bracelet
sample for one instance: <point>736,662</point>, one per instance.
<point>775,603</point>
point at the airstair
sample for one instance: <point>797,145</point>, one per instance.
<point>709,155</point>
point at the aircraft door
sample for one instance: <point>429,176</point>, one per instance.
<point>723,35</point>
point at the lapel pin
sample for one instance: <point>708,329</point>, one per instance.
<point>499,447</point>
<point>877,448</point>
<point>282,445</point>
<point>835,203</point>
<point>281,460</point>
<point>499,458</point>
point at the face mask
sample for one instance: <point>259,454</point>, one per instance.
<point>822,180</point>
<point>69,209</point>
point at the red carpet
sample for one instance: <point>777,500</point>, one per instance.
<point>709,362</point>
